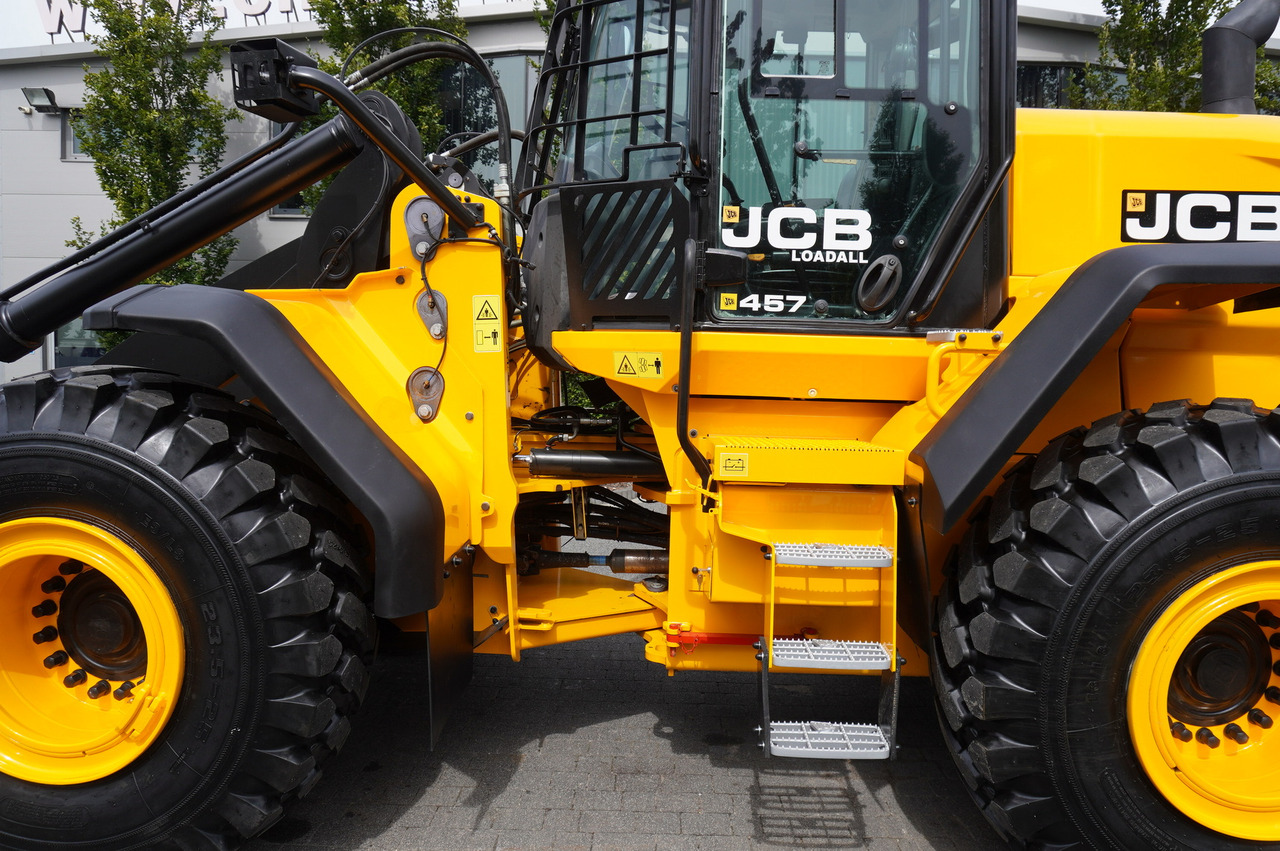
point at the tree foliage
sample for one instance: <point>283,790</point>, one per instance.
<point>418,89</point>
<point>1149,58</point>
<point>149,122</point>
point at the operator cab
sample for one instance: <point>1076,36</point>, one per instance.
<point>849,130</point>
<point>850,150</point>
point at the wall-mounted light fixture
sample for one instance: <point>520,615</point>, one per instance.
<point>41,100</point>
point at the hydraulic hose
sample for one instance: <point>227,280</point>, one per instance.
<point>381,135</point>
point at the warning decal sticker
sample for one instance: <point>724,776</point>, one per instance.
<point>639,364</point>
<point>486,323</point>
<point>732,464</point>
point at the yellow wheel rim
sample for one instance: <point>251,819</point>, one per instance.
<point>76,598</point>
<point>1207,664</point>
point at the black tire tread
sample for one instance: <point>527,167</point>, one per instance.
<point>1045,521</point>
<point>290,531</point>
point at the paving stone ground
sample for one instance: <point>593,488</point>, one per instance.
<point>588,747</point>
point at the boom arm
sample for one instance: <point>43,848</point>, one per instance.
<point>233,195</point>
<point>227,204</point>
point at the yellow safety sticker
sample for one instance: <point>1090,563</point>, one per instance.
<point>1135,202</point>
<point>730,215</point>
<point>639,364</point>
<point>733,464</point>
<point>728,301</point>
<point>486,323</point>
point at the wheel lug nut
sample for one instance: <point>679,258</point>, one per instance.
<point>70,567</point>
<point>58,657</point>
<point>1265,618</point>
<point>75,678</point>
<point>54,585</point>
<point>101,687</point>
<point>1205,736</point>
<point>1262,719</point>
<point>1233,732</point>
<point>1272,694</point>
<point>127,686</point>
<point>49,633</point>
<point>45,609</point>
<point>1180,731</point>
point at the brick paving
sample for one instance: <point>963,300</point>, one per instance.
<point>588,747</point>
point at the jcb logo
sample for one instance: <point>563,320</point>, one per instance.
<point>798,228</point>
<point>1199,217</point>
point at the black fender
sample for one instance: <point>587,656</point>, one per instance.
<point>395,497</point>
<point>966,449</point>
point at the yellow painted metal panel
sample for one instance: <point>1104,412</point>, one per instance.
<point>371,335</point>
<point>766,459</point>
<point>1202,354</point>
<point>1074,170</point>
<point>777,366</point>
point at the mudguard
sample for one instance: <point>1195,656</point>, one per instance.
<point>399,502</point>
<point>965,450</point>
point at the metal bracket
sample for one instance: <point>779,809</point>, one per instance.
<point>887,716</point>
<point>578,496</point>
<point>498,625</point>
<point>762,654</point>
<point>433,310</point>
<point>425,388</point>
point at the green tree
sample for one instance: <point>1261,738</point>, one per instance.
<point>149,122</point>
<point>1149,58</point>
<point>419,89</point>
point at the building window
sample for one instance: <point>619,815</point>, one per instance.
<point>74,345</point>
<point>291,208</point>
<point>468,108</point>
<point>1043,85</point>
<point>71,150</point>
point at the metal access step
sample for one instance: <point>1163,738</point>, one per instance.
<point>830,655</point>
<point>823,740</point>
<point>832,555</point>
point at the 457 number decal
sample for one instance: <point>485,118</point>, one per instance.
<point>762,302</point>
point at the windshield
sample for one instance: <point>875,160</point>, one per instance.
<point>849,128</point>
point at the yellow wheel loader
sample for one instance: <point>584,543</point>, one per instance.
<point>858,392</point>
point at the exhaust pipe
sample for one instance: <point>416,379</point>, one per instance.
<point>1229,56</point>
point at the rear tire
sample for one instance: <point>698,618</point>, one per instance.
<point>1112,588</point>
<point>182,632</point>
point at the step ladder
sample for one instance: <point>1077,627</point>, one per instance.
<point>830,739</point>
<point>823,739</point>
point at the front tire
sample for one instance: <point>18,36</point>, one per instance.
<point>1106,662</point>
<point>182,636</point>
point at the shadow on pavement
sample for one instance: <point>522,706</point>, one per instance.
<point>588,746</point>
